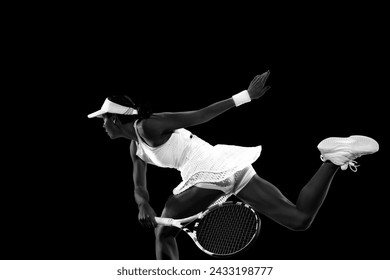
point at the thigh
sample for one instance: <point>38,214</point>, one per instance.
<point>186,204</point>
<point>268,200</point>
<point>189,202</point>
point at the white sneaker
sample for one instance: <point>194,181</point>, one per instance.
<point>343,151</point>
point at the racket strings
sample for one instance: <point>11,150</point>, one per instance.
<point>229,232</point>
<point>228,229</point>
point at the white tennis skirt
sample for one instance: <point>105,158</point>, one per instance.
<point>232,185</point>
<point>218,167</point>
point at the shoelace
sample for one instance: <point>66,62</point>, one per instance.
<point>353,165</point>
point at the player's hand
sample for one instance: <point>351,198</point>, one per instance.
<point>146,215</point>
<point>256,88</point>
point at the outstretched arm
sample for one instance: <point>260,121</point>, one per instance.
<point>167,122</point>
<point>171,121</point>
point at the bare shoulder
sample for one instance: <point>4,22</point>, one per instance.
<point>148,128</point>
<point>152,129</point>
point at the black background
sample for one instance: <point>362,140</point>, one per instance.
<point>71,193</point>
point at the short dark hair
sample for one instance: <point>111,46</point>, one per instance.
<point>144,110</point>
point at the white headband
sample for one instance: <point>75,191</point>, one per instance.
<point>111,107</point>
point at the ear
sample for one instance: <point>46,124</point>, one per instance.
<point>114,119</point>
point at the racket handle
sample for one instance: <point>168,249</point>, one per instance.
<point>164,221</point>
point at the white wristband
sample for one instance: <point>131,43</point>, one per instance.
<point>241,98</point>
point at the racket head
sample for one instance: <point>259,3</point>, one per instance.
<point>227,229</point>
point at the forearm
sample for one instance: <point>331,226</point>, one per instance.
<point>216,109</point>
<point>141,195</point>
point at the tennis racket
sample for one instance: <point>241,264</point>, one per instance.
<point>223,230</point>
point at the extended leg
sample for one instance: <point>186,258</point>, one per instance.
<point>267,199</point>
<point>188,203</point>
<point>336,152</point>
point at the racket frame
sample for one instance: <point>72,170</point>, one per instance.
<point>181,223</point>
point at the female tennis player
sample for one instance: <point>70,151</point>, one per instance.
<point>210,171</point>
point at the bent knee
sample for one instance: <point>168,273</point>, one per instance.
<point>301,223</point>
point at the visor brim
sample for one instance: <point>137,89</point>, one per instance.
<point>97,114</point>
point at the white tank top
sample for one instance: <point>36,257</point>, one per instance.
<point>197,160</point>
<point>175,153</point>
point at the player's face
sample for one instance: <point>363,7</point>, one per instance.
<point>110,127</point>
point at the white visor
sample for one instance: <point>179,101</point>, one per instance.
<point>114,108</point>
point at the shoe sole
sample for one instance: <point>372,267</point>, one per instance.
<point>355,144</point>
